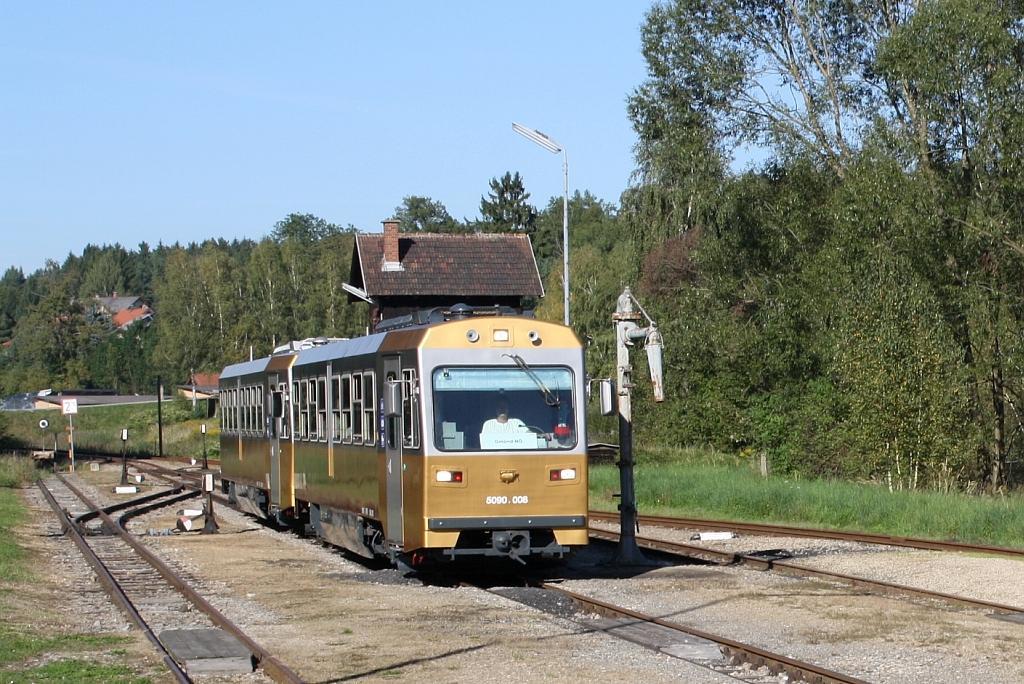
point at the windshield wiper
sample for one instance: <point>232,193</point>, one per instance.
<point>550,398</point>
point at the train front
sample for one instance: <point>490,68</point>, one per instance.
<point>504,469</point>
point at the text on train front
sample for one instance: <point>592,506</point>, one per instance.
<point>502,408</point>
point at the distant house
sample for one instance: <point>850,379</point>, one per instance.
<point>121,312</point>
<point>49,399</point>
<point>401,273</point>
<point>201,386</point>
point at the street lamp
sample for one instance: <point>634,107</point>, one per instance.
<point>552,146</point>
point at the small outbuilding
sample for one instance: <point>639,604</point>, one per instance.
<point>399,273</point>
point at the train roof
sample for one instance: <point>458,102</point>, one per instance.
<point>357,346</point>
<point>371,344</point>
<point>246,368</point>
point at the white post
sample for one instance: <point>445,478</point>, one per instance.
<point>565,238</point>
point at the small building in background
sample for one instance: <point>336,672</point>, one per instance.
<point>202,387</point>
<point>398,274</point>
<point>121,312</point>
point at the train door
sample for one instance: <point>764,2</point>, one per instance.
<point>275,419</point>
<point>391,416</point>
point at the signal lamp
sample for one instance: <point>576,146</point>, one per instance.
<point>563,474</point>
<point>448,476</point>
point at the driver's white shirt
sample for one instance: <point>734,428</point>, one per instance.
<point>511,425</point>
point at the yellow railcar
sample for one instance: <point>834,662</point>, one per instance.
<point>451,434</point>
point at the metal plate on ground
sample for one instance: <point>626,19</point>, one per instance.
<point>1009,617</point>
<point>207,651</point>
<point>664,639</point>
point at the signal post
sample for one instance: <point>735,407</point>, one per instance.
<point>628,333</point>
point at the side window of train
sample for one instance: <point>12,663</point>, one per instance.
<point>335,408</point>
<point>322,409</point>
<point>311,405</point>
<point>295,409</point>
<point>346,408</point>
<point>243,404</point>
<point>303,425</point>
<point>369,408</point>
<point>357,408</point>
<point>410,409</point>
<point>282,393</point>
<point>261,424</point>
<point>250,409</point>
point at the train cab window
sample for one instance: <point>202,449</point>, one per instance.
<point>504,408</point>
<point>369,407</point>
<point>357,408</point>
<point>410,409</point>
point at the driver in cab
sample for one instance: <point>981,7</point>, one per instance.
<point>502,422</point>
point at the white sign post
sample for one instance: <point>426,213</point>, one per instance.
<point>69,407</point>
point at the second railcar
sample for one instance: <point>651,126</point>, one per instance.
<point>460,437</point>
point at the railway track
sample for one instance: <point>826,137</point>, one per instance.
<point>723,655</point>
<point>147,590</point>
<point>782,566</point>
<point>813,533</point>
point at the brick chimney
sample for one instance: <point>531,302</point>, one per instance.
<point>391,261</point>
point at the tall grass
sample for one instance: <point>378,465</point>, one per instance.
<point>727,491</point>
<point>14,472</point>
<point>98,428</point>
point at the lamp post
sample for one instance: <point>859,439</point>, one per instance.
<point>552,146</point>
<point>124,457</point>
<point>206,465</point>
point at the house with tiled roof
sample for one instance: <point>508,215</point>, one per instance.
<point>121,312</point>
<point>402,273</point>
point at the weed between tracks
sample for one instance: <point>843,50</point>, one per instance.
<point>692,485</point>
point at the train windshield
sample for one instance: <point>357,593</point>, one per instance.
<point>503,408</point>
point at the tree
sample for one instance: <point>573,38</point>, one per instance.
<point>422,214</point>
<point>11,291</point>
<point>104,274</point>
<point>505,209</point>
<point>303,228</point>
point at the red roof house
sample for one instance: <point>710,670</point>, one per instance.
<point>400,273</point>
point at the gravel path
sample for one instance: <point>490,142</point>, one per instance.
<point>333,619</point>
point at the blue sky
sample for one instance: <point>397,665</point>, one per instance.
<point>178,121</point>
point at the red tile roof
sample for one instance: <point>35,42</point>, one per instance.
<point>435,264</point>
<point>205,379</point>
<point>126,317</point>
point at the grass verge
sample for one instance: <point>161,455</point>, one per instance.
<point>30,654</point>
<point>721,489</point>
<point>99,428</point>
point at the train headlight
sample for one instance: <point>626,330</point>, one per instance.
<point>563,474</point>
<point>448,476</point>
<point>472,335</point>
<point>501,335</point>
